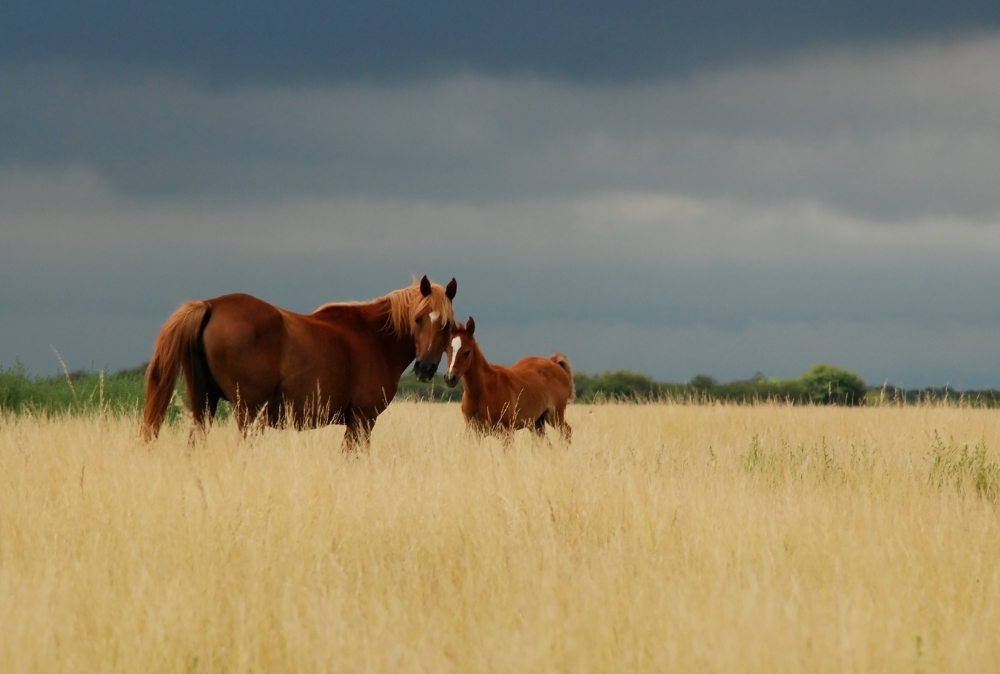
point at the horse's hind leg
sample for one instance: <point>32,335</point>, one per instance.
<point>201,415</point>
<point>203,392</point>
<point>539,428</point>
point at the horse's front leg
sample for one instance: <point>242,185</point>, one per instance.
<point>506,433</point>
<point>359,431</point>
<point>354,439</point>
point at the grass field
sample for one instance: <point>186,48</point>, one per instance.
<point>666,538</point>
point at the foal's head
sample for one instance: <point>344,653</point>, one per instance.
<point>431,320</point>
<point>459,352</point>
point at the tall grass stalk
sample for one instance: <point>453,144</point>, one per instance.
<point>666,538</point>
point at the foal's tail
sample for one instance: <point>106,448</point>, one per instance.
<point>174,348</point>
<point>562,361</point>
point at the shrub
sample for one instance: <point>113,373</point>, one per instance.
<point>830,385</point>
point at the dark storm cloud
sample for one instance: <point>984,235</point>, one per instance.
<point>390,40</point>
<point>887,135</point>
<point>700,187</point>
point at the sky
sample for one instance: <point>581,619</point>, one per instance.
<point>711,188</point>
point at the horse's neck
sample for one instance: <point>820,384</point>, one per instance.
<point>398,350</point>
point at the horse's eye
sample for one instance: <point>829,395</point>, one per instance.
<point>467,352</point>
<point>420,320</point>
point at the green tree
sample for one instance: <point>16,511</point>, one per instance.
<point>703,382</point>
<point>831,385</point>
<point>618,385</point>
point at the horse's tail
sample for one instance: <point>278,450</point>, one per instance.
<point>562,361</point>
<point>174,348</point>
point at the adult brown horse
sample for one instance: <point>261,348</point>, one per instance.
<point>340,364</point>
<point>500,400</point>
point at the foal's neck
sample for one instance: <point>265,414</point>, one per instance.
<point>480,374</point>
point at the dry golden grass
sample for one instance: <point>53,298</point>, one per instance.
<point>666,538</point>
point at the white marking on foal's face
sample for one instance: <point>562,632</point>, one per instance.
<point>456,346</point>
<point>434,317</point>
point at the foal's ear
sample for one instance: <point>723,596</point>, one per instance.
<point>425,286</point>
<point>470,326</point>
<point>451,289</point>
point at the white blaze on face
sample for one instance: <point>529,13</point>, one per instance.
<point>456,346</point>
<point>433,316</point>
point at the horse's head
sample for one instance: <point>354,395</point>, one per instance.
<point>431,323</point>
<point>459,352</point>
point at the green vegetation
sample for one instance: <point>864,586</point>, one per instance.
<point>822,384</point>
<point>963,469</point>
<point>829,385</point>
<point>74,392</point>
<point>411,388</point>
<point>123,392</point>
<point>621,385</point>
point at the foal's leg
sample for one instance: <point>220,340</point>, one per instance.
<point>538,428</point>
<point>476,428</point>
<point>558,420</point>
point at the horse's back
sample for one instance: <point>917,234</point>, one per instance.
<point>242,316</point>
<point>279,357</point>
<point>243,325</point>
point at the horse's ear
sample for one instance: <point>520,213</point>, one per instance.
<point>451,289</point>
<point>470,326</point>
<point>425,286</point>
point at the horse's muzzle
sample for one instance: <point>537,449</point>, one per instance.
<point>425,369</point>
<point>451,380</point>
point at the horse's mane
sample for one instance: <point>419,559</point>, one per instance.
<point>405,304</point>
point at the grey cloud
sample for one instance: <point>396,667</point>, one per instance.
<point>75,211</point>
<point>880,135</point>
<point>385,40</point>
<point>837,207</point>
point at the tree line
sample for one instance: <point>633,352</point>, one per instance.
<point>122,392</point>
<point>821,384</point>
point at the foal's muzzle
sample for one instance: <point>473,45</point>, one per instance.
<point>425,369</point>
<point>451,380</point>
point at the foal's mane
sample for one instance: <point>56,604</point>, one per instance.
<point>405,304</point>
